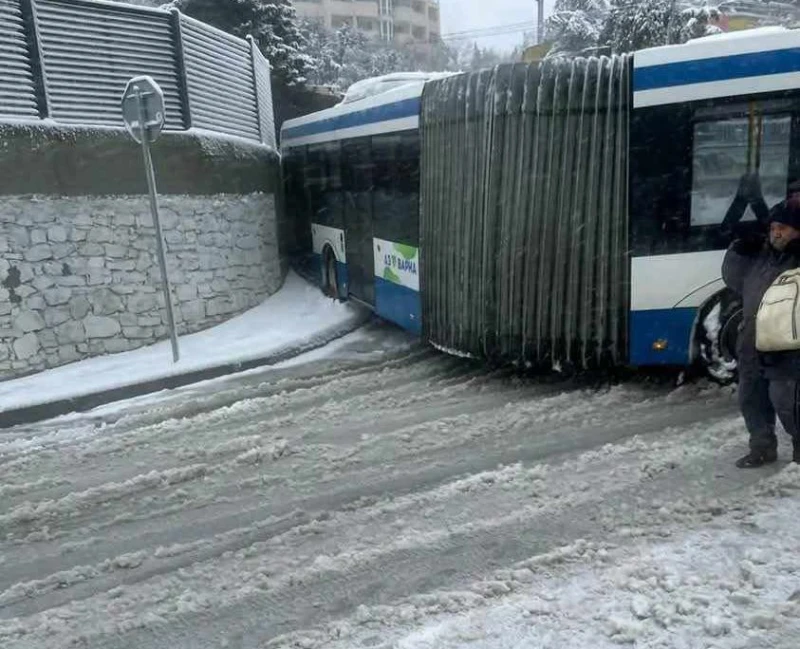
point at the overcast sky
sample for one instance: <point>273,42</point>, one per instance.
<point>461,15</point>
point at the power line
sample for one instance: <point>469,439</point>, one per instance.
<point>497,30</point>
<point>479,29</point>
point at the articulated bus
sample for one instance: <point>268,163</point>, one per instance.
<point>565,211</point>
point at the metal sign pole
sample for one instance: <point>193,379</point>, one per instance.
<point>162,259</point>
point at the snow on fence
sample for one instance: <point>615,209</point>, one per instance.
<point>17,86</point>
<point>524,211</point>
<point>69,60</point>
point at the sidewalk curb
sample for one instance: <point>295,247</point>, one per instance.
<point>49,410</point>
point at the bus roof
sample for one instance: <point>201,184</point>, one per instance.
<point>381,105</point>
<point>723,65</point>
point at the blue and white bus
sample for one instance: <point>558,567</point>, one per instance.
<point>557,212</point>
<point>352,187</point>
<point>703,114</point>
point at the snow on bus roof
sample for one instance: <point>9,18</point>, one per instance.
<point>720,45</point>
<point>372,92</point>
<point>376,85</point>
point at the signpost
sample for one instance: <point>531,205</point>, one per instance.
<point>143,113</point>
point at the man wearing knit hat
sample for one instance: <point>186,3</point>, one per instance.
<point>769,384</point>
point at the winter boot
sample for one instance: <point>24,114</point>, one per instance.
<point>796,450</point>
<point>757,457</point>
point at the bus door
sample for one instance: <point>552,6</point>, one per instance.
<point>396,218</point>
<point>358,212</point>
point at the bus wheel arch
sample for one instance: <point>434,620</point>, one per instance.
<point>716,332</point>
<point>330,276</point>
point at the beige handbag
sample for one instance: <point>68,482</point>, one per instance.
<point>778,317</point>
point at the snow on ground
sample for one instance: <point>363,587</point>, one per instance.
<point>733,583</point>
<point>387,495</point>
<point>297,316</point>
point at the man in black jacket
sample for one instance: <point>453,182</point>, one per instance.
<point>768,383</point>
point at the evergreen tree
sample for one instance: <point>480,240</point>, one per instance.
<point>346,55</point>
<point>576,25</point>
<point>699,21</point>
<point>626,25</point>
<point>471,57</point>
<point>280,39</point>
<point>272,23</point>
<point>648,23</point>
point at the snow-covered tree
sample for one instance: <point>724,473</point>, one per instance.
<point>340,57</point>
<point>471,57</point>
<point>576,25</point>
<point>699,21</point>
<point>272,23</point>
<point>634,25</point>
<point>280,39</point>
<point>346,55</point>
<point>626,25</point>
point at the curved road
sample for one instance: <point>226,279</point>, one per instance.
<point>232,513</point>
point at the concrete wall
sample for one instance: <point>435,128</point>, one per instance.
<point>78,269</point>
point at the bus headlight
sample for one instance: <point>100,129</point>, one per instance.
<point>660,345</point>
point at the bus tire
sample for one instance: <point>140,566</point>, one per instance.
<point>717,332</point>
<point>331,286</point>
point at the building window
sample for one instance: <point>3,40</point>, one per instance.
<point>418,7</point>
<point>340,21</point>
<point>366,24</point>
<point>433,14</point>
<point>418,33</point>
<point>402,29</point>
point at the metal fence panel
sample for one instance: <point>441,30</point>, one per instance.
<point>90,52</point>
<point>69,60</point>
<point>17,87</point>
<point>528,261</point>
<point>264,93</point>
<point>219,76</point>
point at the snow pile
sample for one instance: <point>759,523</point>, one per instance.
<point>719,367</point>
<point>296,317</point>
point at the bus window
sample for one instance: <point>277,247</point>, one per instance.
<point>323,172</point>
<point>409,163</point>
<point>357,166</point>
<point>297,207</point>
<point>358,207</point>
<point>660,185</point>
<point>720,158</point>
<point>397,187</point>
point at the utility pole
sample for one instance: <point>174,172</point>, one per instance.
<point>539,21</point>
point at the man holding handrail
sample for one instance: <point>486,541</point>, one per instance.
<point>769,383</point>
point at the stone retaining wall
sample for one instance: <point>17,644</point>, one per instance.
<point>79,275</point>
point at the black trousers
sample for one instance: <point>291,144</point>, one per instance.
<point>761,399</point>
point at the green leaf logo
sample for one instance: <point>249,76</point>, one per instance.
<point>390,276</point>
<point>407,252</point>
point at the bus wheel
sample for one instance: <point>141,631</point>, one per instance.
<point>717,333</point>
<point>331,283</point>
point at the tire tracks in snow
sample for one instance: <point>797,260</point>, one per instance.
<point>394,480</point>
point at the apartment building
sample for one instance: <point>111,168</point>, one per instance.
<point>399,21</point>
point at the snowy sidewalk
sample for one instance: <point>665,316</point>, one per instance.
<point>296,319</point>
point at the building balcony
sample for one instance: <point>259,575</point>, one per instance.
<point>364,8</point>
<point>407,14</point>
